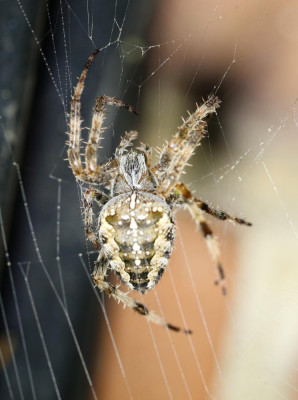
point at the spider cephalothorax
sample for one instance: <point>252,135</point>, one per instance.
<point>133,174</point>
<point>135,232</point>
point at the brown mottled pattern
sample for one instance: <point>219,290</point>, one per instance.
<point>136,231</point>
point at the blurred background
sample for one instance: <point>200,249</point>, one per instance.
<point>58,337</point>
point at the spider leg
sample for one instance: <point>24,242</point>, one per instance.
<point>211,242</point>
<point>95,136</point>
<point>103,100</point>
<point>126,142</point>
<point>98,276</point>
<point>97,130</point>
<point>183,196</point>
<point>92,173</point>
<point>75,123</point>
<point>147,151</point>
<point>175,155</point>
<point>93,170</point>
<point>90,196</point>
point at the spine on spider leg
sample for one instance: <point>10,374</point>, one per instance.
<point>174,157</point>
<point>75,118</point>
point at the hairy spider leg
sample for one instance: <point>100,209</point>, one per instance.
<point>98,277</point>
<point>196,207</point>
<point>91,195</point>
<point>92,173</point>
<point>75,125</point>
<point>177,152</point>
<point>126,142</point>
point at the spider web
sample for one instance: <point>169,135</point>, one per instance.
<point>59,337</point>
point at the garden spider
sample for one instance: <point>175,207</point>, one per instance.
<point>134,231</point>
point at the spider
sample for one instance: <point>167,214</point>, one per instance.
<point>134,231</point>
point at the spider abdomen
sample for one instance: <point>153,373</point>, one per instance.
<point>137,234</point>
